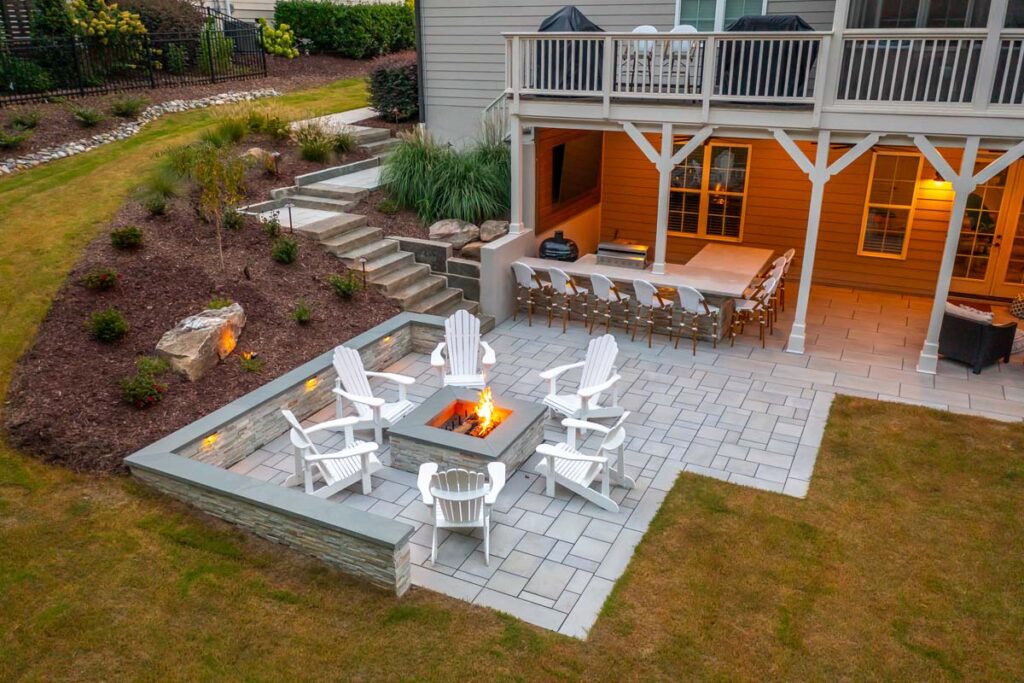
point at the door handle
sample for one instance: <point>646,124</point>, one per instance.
<point>997,241</point>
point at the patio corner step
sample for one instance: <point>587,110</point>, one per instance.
<point>349,240</point>
<point>420,289</point>
<point>328,227</point>
<point>394,282</point>
<point>439,302</point>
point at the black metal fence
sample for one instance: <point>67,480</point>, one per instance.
<point>223,49</point>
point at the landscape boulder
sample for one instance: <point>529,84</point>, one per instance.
<point>472,251</point>
<point>261,156</point>
<point>492,230</point>
<point>199,341</point>
<point>455,232</point>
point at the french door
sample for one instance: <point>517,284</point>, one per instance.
<point>990,254</point>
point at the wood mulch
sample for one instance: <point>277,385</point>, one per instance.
<point>64,402</point>
<point>57,124</point>
<point>404,223</point>
<point>395,128</point>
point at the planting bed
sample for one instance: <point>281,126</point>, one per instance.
<point>64,402</point>
<point>404,223</point>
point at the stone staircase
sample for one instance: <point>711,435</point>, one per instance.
<point>376,142</point>
<point>320,209</point>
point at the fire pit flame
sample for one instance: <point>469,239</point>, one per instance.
<point>485,413</point>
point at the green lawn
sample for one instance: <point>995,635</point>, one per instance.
<point>905,562</point>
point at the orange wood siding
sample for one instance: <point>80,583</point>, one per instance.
<point>778,195</point>
<point>548,214</point>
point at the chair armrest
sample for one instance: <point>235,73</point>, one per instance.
<point>496,471</point>
<point>333,425</point>
<point>436,359</point>
<point>489,357</point>
<point>573,423</point>
<point>350,452</point>
<point>588,392</point>
<point>552,452</point>
<point>561,369</point>
<point>392,377</point>
<point>427,470</point>
<point>365,400</point>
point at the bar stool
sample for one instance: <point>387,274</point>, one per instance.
<point>693,309</point>
<point>778,271</point>
<point>565,292</point>
<point>607,298</point>
<point>758,307</point>
<point>649,307</point>
<point>790,253</point>
<point>529,290</point>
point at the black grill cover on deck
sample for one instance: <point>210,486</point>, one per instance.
<point>585,57</point>
<point>765,64</point>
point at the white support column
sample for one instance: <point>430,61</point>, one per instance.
<point>664,189</point>
<point>516,191</point>
<point>819,174</point>
<point>989,58</point>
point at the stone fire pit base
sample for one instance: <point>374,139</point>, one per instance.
<point>414,442</point>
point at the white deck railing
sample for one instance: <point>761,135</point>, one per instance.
<point>888,68</point>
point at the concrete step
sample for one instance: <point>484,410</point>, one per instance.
<point>439,302</point>
<point>315,202</point>
<point>332,190</point>
<point>397,280</point>
<point>367,134</point>
<point>420,289</point>
<point>351,239</point>
<point>388,263</point>
<point>380,148</point>
<point>326,228</point>
<point>368,251</point>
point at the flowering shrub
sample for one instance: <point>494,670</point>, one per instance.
<point>278,41</point>
<point>108,326</point>
<point>97,19</point>
<point>104,278</point>
<point>142,390</point>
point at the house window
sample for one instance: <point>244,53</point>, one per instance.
<point>709,192</point>
<point>889,208</point>
<point>715,15</point>
<point>899,14</point>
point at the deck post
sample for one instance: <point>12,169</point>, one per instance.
<point>516,190</point>
<point>664,191</point>
<point>989,60</point>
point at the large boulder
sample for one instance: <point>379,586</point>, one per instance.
<point>492,230</point>
<point>455,232</point>
<point>472,251</point>
<point>198,342</point>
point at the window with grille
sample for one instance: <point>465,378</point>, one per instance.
<point>889,207</point>
<point>709,192</point>
<point>716,15</point>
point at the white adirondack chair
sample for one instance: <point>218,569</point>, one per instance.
<point>353,384</point>
<point>597,377</point>
<point>563,464</point>
<point>462,346</point>
<point>460,499</point>
<point>340,469</point>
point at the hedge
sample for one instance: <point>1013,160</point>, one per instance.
<point>355,31</point>
<point>394,92</point>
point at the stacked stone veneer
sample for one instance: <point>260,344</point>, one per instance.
<point>191,466</point>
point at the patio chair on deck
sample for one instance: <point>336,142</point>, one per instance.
<point>598,376</point>
<point>460,499</point>
<point>563,464</point>
<point>462,345</point>
<point>758,307</point>
<point>695,308</point>
<point>607,298</point>
<point>651,309</point>
<point>530,291</point>
<point>353,384</point>
<point>340,469</point>
<point>564,293</point>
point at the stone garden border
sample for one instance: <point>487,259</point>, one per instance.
<point>191,463</point>
<point>127,129</point>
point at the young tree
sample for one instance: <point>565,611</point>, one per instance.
<point>220,176</point>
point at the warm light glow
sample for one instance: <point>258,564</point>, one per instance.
<point>227,341</point>
<point>248,355</point>
<point>387,340</point>
<point>484,410</point>
<point>311,383</point>
<point>210,440</point>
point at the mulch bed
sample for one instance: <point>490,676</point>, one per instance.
<point>405,223</point>
<point>64,402</point>
<point>58,125</point>
<point>395,128</point>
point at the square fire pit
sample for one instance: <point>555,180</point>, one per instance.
<point>443,430</point>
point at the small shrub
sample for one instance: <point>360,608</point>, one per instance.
<point>272,225</point>
<point>302,313</point>
<point>151,366</point>
<point>344,142</point>
<point>346,286</point>
<point>87,117</point>
<point>128,237</point>
<point>176,59</point>
<point>407,175</point>
<point>388,207</point>
<point>166,16</point>
<point>284,250</point>
<point>108,326</point>
<point>13,140</point>
<point>268,122</point>
<point>142,390</point>
<point>215,49</point>
<point>315,143</point>
<point>101,279</point>
<point>163,182</point>
<point>394,89</point>
<point>26,120</point>
<point>233,219</point>
<point>155,205</point>
<point>231,129</point>
<point>279,40</point>
<point>22,75</point>
<point>180,160</point>
<point>128,107</point>
<point>219,302</point>
<point>250,362</point>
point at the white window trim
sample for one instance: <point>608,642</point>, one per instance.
<point>902,256</point>
<point>705,196</point>
<point>719,13</point>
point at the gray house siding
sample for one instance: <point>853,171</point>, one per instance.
<point>463,52</point>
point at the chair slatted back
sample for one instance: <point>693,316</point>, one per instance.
<point>459,494</point>
<point>525,275</point>
<point>349,366</point>
<point>691,300</point>
<point>302,438</point>
<point>599,363</point>
<point>603,288</point>
<point>462,339</point>
<point>560,281</point>
<point>646,293</point>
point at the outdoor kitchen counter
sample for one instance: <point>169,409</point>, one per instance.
<point>721,272</point>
